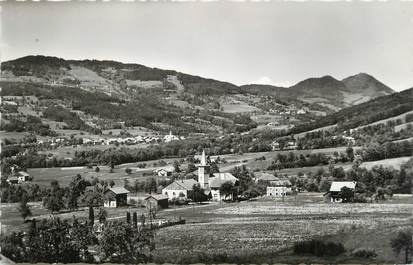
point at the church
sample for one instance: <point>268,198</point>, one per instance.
<point>210,183</point>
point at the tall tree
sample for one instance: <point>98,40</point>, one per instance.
<point>128,217</point>
<point>123,243</point>
<point>54,201</point>
<point>102,215</point>
<point>24,208</point>
<point>91,215</point>
<point>227,189</point>
<point>135,219</point>
<point>403,242</point>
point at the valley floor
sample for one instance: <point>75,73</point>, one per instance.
<point>262,230</point>
<point>265,230</point>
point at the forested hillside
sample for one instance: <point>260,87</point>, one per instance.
<point>365,113</point>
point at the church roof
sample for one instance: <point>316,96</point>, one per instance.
<point>219,178</point>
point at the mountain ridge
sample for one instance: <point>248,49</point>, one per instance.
<point>118,78</point>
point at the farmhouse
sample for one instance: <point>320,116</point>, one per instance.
<point>23,176</point>
<point>279,188</point>
<point>179,189</point>
<point>18,177</point>
<point>291,145</point>
<point>12,180</point>
<point>275,146</point>
<point>278,191</point>
<point>215,183</point>
<point>157,201</point>
<point>336,188</point>
<point>165,171</point>
<point>116,197</point>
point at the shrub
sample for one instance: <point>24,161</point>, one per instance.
<point>364,253</point>
<point>360,198</point>
<point>319,248</point>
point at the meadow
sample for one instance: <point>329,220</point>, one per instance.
<point>43,176</point>
<point>265,230</point>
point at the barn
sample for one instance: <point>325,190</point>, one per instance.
<point>157,201</point>
<point>116,197</point>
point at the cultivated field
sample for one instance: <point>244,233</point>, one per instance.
<point>265,230</point>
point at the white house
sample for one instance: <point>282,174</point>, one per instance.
<point>279,188</point>
<point>278,191</point>
<point>275,146</point>
<point>179,188</point>
<point>215,183</point>
<point>164,171</point>
<point>336,186</point>
<point>170,137</point>
<point>23,176</point>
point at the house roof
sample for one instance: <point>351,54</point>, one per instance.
<point>282,182</point>
<point>169,168</point>
<point>119,190</point>
<point>23,173</point>
<point>338,185</point>
<point>266,177</point>
<point>219,178</point>
<point>157,197</point>
<point>184,184</point>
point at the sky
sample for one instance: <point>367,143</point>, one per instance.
<point>278,43</point>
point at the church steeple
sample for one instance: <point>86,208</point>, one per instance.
<point>203,159</point>
<point>203,172</point>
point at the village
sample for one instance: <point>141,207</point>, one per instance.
<point>191,199</point>
<point>206,133</point>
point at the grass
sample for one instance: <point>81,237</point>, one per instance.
<point>261,231</point>
<point>69,151</point>
<point>393,162</point>
<point>43,176</point>
<point>265,230</point>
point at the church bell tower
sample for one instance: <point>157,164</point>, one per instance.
<point>203,172</point>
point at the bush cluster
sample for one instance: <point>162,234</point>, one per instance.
<point>319,248</point>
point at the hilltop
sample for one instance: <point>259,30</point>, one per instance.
<point>98,95</point>
<point>329,92</point>
<point>366,113</point>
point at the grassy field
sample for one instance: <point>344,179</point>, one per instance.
<point>69,151</point>
<point>391,162</point>
<point>259,231</point>
<point>43,176</point>
<point>265,230</point>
